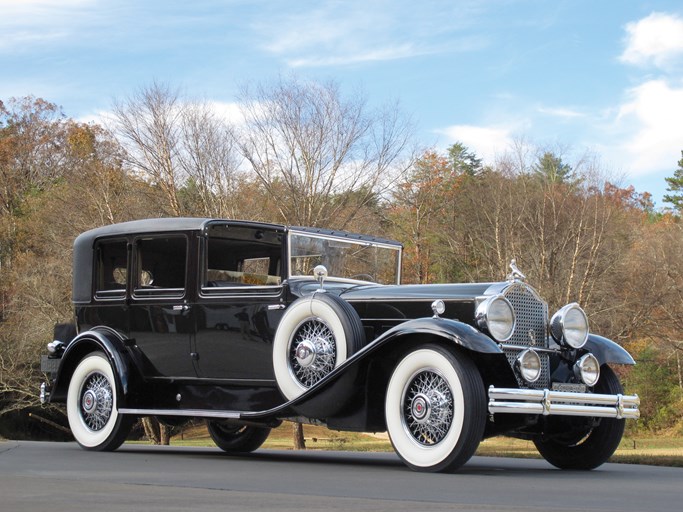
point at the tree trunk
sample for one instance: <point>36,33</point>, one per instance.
<point>151,426</point>
<point>164,434</point>
<point>298,432</point>
<point>156,432</point>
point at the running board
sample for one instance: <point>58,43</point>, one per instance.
<point>194,413</point>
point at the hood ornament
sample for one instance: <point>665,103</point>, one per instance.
<point>516,274</point>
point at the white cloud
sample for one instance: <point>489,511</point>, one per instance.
<point>228,111</point>
<point>656,39</point>
<point>486,141</point>
<point>30,22</point>
<point>652,117</point>
<point>378,54</point>
<point>562,112</point>
<point>342,33</point>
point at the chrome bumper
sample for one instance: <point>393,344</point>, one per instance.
<point>559,403</point>
<point>44,393</point>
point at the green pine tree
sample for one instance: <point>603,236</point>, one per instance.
<point>676,187</point>
<point>464,161</point>
<point>550,167</point>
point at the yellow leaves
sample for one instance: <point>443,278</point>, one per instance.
<point>81,140</point>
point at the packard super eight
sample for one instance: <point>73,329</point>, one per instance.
<point>248,324</point>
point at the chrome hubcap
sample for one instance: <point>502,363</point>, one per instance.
<point>421,408</point>
<point>305,353</point>
<point>97,401</point>
<point>427,407</point>
<point>89,402</point>
<point>313,352</point>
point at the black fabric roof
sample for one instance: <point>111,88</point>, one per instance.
<point>84,243</point>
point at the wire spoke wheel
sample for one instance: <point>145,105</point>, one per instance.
<point>97,401</point>
<point>435,408</point>
<point>316,334</point>
<point>92,405</point>
<point>428,407</point>
<point>313,352</point>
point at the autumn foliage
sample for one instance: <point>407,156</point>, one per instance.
<point>304,153</point>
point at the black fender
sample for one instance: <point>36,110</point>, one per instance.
<point>607,351</point>
<point>316,402</point>
<point>103,339</point>
<point>457,332</point>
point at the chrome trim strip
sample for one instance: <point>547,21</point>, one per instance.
<point>197,413</point>
<point>559,403</point>
<point>348,240</point>
<point>507,346</point>
<point>407,299</point>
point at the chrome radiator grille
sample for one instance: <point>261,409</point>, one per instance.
<point>531,329</point>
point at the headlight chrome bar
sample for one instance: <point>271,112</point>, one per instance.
<point>561,403</point>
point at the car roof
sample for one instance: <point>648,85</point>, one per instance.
<point>85,242</point>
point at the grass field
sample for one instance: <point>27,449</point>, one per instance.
<point>659,451</point>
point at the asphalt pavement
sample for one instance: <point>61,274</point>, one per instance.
<point>62,477</point>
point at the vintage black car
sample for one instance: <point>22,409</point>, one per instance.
<point>248,324</point>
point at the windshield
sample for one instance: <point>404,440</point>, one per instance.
<point>346,259</point>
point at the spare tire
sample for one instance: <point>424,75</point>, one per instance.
<point>316,334</point>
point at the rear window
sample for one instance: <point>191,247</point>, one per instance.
<point>161,266</point>
<point>111,269</point>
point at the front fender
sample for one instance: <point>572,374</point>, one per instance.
<point>458,332</point>
<point>607,351</point>
<point>100,339</point>
<point>316,401</point>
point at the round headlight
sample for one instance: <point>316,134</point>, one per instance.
<point>529,365</point>
<point>496,315</point>
<point>569,326</point>
<point>588,370</point>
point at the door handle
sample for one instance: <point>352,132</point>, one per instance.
<point>181,307</point>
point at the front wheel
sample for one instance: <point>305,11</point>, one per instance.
<point>435,409</point>
<point>91,405</point>
<point>583,443</point>
<point>237,438</point>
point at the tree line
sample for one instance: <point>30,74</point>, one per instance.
<point>303,153</point>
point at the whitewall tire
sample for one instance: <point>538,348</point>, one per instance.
<point>92,403</point>
<point>315,335</point>
<point>435,409</point>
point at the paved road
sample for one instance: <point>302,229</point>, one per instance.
<point>64,478</point>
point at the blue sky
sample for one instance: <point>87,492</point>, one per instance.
<point>604,77</point>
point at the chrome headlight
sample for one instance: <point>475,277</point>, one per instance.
<point>569,326</point>
<point>495,314</point>
<point>588,370</point>
<point>529,365</point>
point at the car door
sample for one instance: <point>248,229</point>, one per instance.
<point>161,321</point>
<point>240,303</point>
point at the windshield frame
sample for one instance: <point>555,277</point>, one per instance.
<point>367,242</point>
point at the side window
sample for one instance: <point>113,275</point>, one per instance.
<point>241,257</point>
<point>111,269</point>
<point>161,266</point>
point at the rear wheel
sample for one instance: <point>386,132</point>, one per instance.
<point>92,405</point>
<point>583,443</point>
<point>435,409</point>
<point>237,438</point>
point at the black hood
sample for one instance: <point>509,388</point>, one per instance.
<point>418,292</point>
